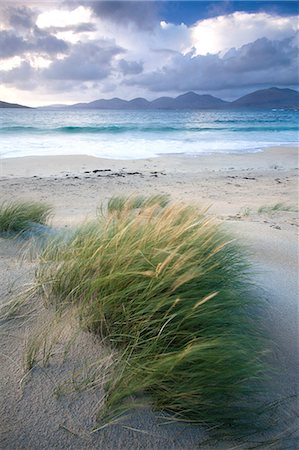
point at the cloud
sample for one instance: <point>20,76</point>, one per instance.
<point>27,78</point>
<point>21,17</point>
<point>87,61</point>
<point>130,67</point>
<point>224,32</point>
<point>44,42</point>
<point>23,77</point>
<point>21,35</point>
<point>262,62</point>
<point>61,18</point>
<point>40,43</point>
<point>122,47</point>
<point>11,45</point>
<point>262,54</point>
<point>83,27</point>
<point>142,14</point>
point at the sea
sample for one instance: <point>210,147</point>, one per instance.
<point>143,134</point>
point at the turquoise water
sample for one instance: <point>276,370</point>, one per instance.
<point>143,134</point>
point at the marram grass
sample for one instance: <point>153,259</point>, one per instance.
<point>121,203</point>
<point>17,217</point>
<point>170,289</point>
<point>270,209</point>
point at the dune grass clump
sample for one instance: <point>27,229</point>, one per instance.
<point>17,217</point>
<point>168,288</point>
<point>269,209</point>
<point>120,203</point>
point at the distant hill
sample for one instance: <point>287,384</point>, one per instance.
<point>190,100</point>
<point>272,98</point>
<point>12,105</point>
<point>162,103</point>
<point>268,99</point>
<point>261,99</point>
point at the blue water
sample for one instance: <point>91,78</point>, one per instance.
<point>143,134</point>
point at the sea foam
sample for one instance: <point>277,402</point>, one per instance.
<point>143,134</point>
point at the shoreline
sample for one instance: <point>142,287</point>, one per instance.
<point>231,185</point>
<point>52,165</point>
<point>182,154</point>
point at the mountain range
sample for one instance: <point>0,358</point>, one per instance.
<point>190,100</point>
<point>11,105</point>
<point>262,99</point>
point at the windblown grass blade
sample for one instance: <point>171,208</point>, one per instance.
<point>18,217</point>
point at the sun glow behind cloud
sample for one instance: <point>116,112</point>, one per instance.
<point>10,63</point>
<point>60,18</point>
<point>232,31</point>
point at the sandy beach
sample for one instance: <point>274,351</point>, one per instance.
<point>239,190</point>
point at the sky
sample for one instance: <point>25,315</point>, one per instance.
<point>78,51</point>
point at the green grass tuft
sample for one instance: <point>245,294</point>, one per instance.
<point>17,217</point>
<point>120,203</point>
<point>170,289</point>
<point>269,209</point>
<point>245,212</point>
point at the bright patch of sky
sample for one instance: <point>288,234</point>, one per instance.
<point>223,32</point>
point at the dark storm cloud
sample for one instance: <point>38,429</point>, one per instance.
<point>21,17</point>
<point>92,61</point>
<point>84,27</point>
<point>143,14</point>
<point>49,44</point>
<point>11,45</point>
<point>81,28</point>
<point>87,61</point>
<point>261,62</point>
<point>130,67</point>
<point>23,36</point>
<point>26,78</point>
<point>40,43</point>
<point>23,77</point>
<point>262,54</point>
